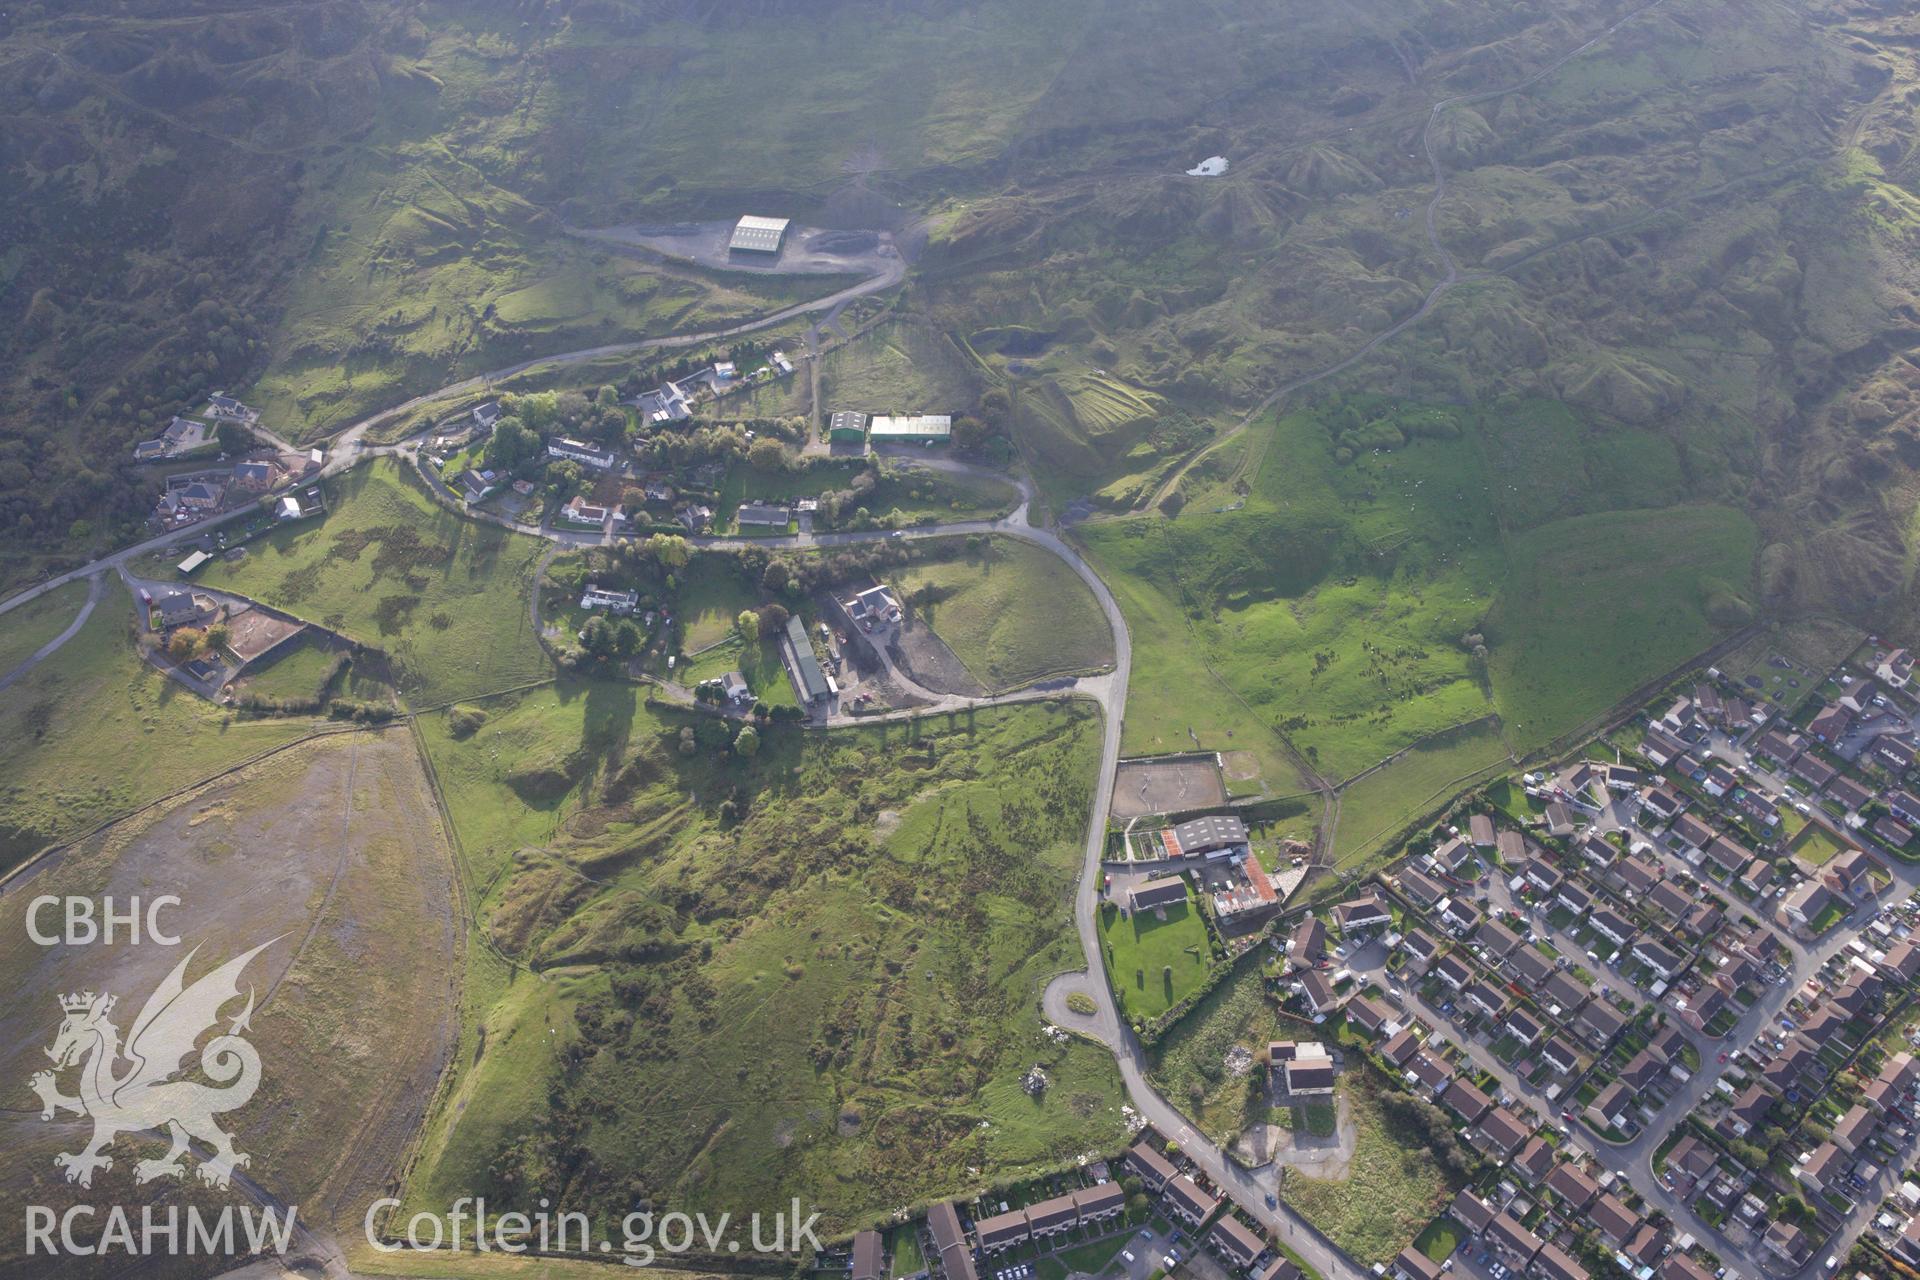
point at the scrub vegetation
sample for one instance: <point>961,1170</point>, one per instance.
<point>808,972</point>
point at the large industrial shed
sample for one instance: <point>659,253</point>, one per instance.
<point>929,428</point>
<point>758,235</point>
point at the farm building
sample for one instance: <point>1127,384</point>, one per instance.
<point>923,428</point>
<point>755,234</point>
<point>1166,891</point>
<point>808,680</point>
<point>847,426</point>
<point>762,515</point>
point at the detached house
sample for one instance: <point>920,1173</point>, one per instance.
<point>1542,875</point>
<point>1855,1128</point>
<point>1516,1244</point>
<point>1822,1166</point>
<point>1459,915</point>
<point>1848,794</point>
<point>1814,771</point>
<point>1496,939</point>
<point>1453,970</point>
<point>1422,888</point>
<point>1617,1223</point>
<point>1610,925</point>
<point>1805,904</point>
<point>1362,914</point>
<point>1308,946</point>
<point>1831,724</point>
<point>1318,992</point>
<point>1402,1045</point>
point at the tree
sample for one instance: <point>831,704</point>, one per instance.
<point>626,638</point>
<point>767,454</point>
<point>777,576</point>
<point>969,433</point>
<point>746,743</point>
<point>563,479</point>
<point>607,397</point>
<point>1794,1209</point>
<point>512,446</point>
<point>185,643</point>
<point>669,550</point>
<point>688,745</point>
<point>597,637</point>
<point>747,624</point>
<point>773,618</point>
<point>218,634</point>
<point>996,406</point>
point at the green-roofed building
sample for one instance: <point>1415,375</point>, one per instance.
<point>847,426</point>
<point>809,681</point>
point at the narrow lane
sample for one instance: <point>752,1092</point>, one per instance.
<point>46,650</point>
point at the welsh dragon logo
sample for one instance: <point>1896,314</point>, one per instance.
<point>146,1095</point>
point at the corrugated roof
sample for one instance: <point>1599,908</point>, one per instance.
<point>813,681</point>
<point>762,235</point>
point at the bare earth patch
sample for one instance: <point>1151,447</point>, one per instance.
<point>1142,787</point>
<point>332,854</point>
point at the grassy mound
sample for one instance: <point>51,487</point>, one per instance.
<point>1013,615</point>
<point>388,566</point>
<point>811,972</point>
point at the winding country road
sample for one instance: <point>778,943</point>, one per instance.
<point>1248,1189</point>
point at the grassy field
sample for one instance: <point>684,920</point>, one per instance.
<point>94,731</point>
<point>1155,963</point>
<point>1189,1062</point>
<point>908,493</point>
<point>1776,663</point>
<point>1174,703</point>
<point>1378,805</point>
<point>713,591</point>
<point>1013,615</point>
<point>1392,1188</point>
<point>301,673</point>
<point>759,663</point>
<point>1331,603</point>
<point>898,368</point>
<point>445,596</point>
<point>1440,1238</point>
<point>1339,604</point>
<point>1816,846</point>
<point>1599,603</point>
<point>25,629</point>
<point>812,972</point>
